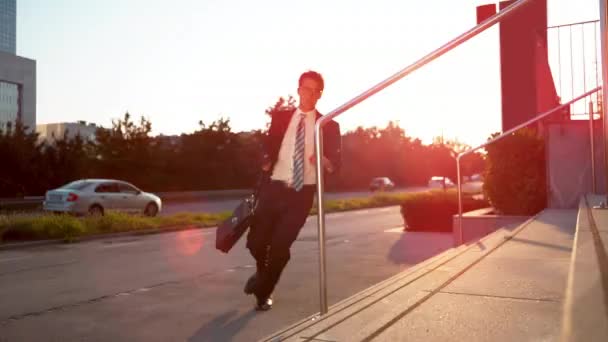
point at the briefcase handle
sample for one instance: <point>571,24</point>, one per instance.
<point>262,180</point>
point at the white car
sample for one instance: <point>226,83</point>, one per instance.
<point>96,196</point>
<point>436,182</point>
<point>381,183</point>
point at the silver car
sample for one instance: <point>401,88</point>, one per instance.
<point>96,196</point>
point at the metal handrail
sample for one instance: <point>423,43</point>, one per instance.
<point>500,137</point>
<point>498,17</point>
<point>574,24</point>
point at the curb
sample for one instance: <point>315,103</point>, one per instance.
<point>153,231</point>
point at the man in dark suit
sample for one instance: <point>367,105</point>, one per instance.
<point>286,199</point>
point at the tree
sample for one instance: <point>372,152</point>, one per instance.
<point>21,153</point>
<point>210,157</point>
<point>66,160</point>
<point>282,105</point>
<point>123,151</point>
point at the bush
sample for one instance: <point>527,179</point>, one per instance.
<point>515,178</point>
<point>64,227</point>
<point>113,222</point>
<point>380,199</point>
<point>200,219</point>
<point>433,210</point>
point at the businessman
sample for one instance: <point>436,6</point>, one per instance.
<point>286,198</point>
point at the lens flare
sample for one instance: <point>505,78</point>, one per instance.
<point>189,242</point>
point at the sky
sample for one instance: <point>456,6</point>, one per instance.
<point>188,60</point>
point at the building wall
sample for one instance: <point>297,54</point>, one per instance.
<point>569,162</point>
<point>52,131</point>
<point>520,57</point>
<point>21,72</point>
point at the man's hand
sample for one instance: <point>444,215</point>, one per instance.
<point>327,165</point>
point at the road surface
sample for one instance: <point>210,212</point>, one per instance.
<point>216,206</point>
<point>177,287</point>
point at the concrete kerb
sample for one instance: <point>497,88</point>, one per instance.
<point>493,241</point>
<point>569,295</point>
<point>39,243</point>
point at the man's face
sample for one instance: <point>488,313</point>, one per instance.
<point>310,92</point>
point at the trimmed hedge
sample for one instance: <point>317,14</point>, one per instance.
<point>433,210</point>
<point>515,177</point>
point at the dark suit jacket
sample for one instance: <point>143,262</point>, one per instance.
<point>332,141</point>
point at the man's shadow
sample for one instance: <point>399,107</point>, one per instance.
<point>415,247</point>
<point>222,328</point>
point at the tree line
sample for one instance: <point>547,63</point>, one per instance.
<point>211,158</point>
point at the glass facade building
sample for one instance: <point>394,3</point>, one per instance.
<point>8,26</point>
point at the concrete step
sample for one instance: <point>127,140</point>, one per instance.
<point>586,306</point>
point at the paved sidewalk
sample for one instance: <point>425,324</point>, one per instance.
<point>508,287</point>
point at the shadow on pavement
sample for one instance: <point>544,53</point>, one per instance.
<point>223,328</point>
<point>415,247</point>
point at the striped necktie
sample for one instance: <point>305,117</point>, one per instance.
<point>298,156</point>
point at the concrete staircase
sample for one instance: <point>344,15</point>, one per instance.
<point>518,284</point>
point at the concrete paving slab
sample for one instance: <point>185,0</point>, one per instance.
<point>514,278</point>
<point>599,215</point>
<point>534,264</point>
<point>601,219</point>
<point>449,317</point>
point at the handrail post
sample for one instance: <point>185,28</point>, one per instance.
<point>460,234</point>
<point>321,217</point>
<point>592,146</point>
<point>604,50</point>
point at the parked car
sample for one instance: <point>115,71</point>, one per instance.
<point>476,177</point>
<point>381,183</point>
<point>437,182</point>
<point>96,196</point>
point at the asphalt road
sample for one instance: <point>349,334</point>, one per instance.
<point>177,287</point>
<point>228,205</point>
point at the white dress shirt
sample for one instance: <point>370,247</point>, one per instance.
<point>283,169</point>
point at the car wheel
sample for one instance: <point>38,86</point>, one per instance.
<point>151,210</point>
<point>96,210</point>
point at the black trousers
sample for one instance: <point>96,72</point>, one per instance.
<point>280,215</point>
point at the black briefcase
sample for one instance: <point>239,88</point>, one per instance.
<point>230,231</point>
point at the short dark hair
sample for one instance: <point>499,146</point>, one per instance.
<point>313,75</point>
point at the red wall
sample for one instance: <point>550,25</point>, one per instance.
<point>527,86</point>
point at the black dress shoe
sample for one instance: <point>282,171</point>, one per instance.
<point>264,305</point>
<point>251,284</point>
